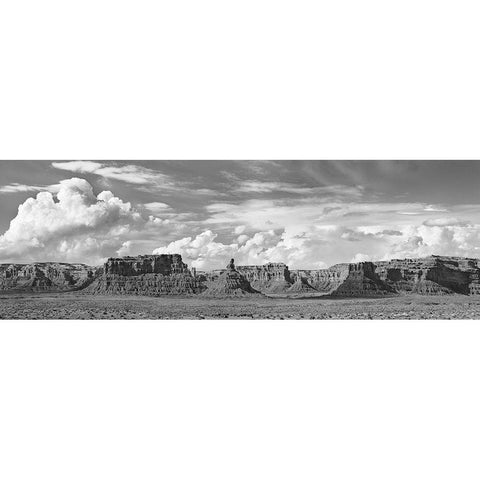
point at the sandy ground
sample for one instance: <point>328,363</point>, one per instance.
<point>78,306</point>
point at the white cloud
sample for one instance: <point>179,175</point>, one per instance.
<point>310,247</point>
<point>72,225</point>
<point>134,174</point>
<point>296,250</point>
<point>20,187</point>
<point>241,239</point>
<point>239,229</point>
<point>157,207</point>
<point>125,249</point>
<point>433,208</point>
<point>254,186</point>
<point>360,257</point>
<point>424,240</point>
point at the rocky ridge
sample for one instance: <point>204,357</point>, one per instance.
<point>157,275</point>
<point>45,277</point>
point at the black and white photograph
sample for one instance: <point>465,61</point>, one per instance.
<point>240,240</point>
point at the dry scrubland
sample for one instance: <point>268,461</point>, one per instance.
<point>78,306</point>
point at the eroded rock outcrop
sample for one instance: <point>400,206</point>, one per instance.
<point>268,278</point>
<point>432,275</point>
<point>345,280</point>
<point>45,277</point>
<point>362,281</point>
<point>157,275</point>
<point>326,280</point>
<point>228,283</point>
<point>152,275</point>
<point>143,264</point>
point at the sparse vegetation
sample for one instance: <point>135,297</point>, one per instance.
<point>78,306</point>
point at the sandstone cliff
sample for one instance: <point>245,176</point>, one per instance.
<point>228,284</point>
<point>268,278</point>
<point>362,281</point>
<point>167,275</point>
<point>143,264</point>
<point>431,275</point>
<point>45,277</point>
<point>152,275</point>
<point>324,281</point>
<point>434,275</point>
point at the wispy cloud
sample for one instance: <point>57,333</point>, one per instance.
<point>157,207</point>
<point>134,174</point>
<point>433,208</point>
<point>20,188</point>
<point>254,186</point>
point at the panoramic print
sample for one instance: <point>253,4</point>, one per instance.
<point>247,239</point>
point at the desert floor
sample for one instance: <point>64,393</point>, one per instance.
<point>80,306</point>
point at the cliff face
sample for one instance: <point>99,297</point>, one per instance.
<point>167,275</point>
<point>45,277</point>
<point>152,284</point>
<point>228,284</point>
<point>361,281</point>
<point>132,266</point>
<point>323,281</point>
<point>268,278</point>
<point>431,275</point>
<point>152,275</point>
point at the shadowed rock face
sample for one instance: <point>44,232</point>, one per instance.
<point>323,281</point>
<point>345,280</point>
<point>431,275</point>
<point>131,266</point>
<point>268,278</point>
<point>229,283</point>
<point>45,277</point>
<point>362,281</point>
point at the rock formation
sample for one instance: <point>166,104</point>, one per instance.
<point>362,281</point>
<point>45,277</point>
<point>143,264</point>
<point>268,278</point>
<point>433,275</point>
<point>229,283</point>
<point>167,275</point>
<point>324,281</point>
<point>345,280</point>
<point>152,275</point>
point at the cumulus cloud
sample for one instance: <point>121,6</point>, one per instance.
<point>319,246</point>
<point>125,249</point>
<point>361,257</point>
<point>424,240</point>
<point>206,252</point>
<point>73,224</point>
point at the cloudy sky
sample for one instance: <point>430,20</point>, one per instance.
<point>308,214</point>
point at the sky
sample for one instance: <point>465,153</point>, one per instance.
<point>307,214</point>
